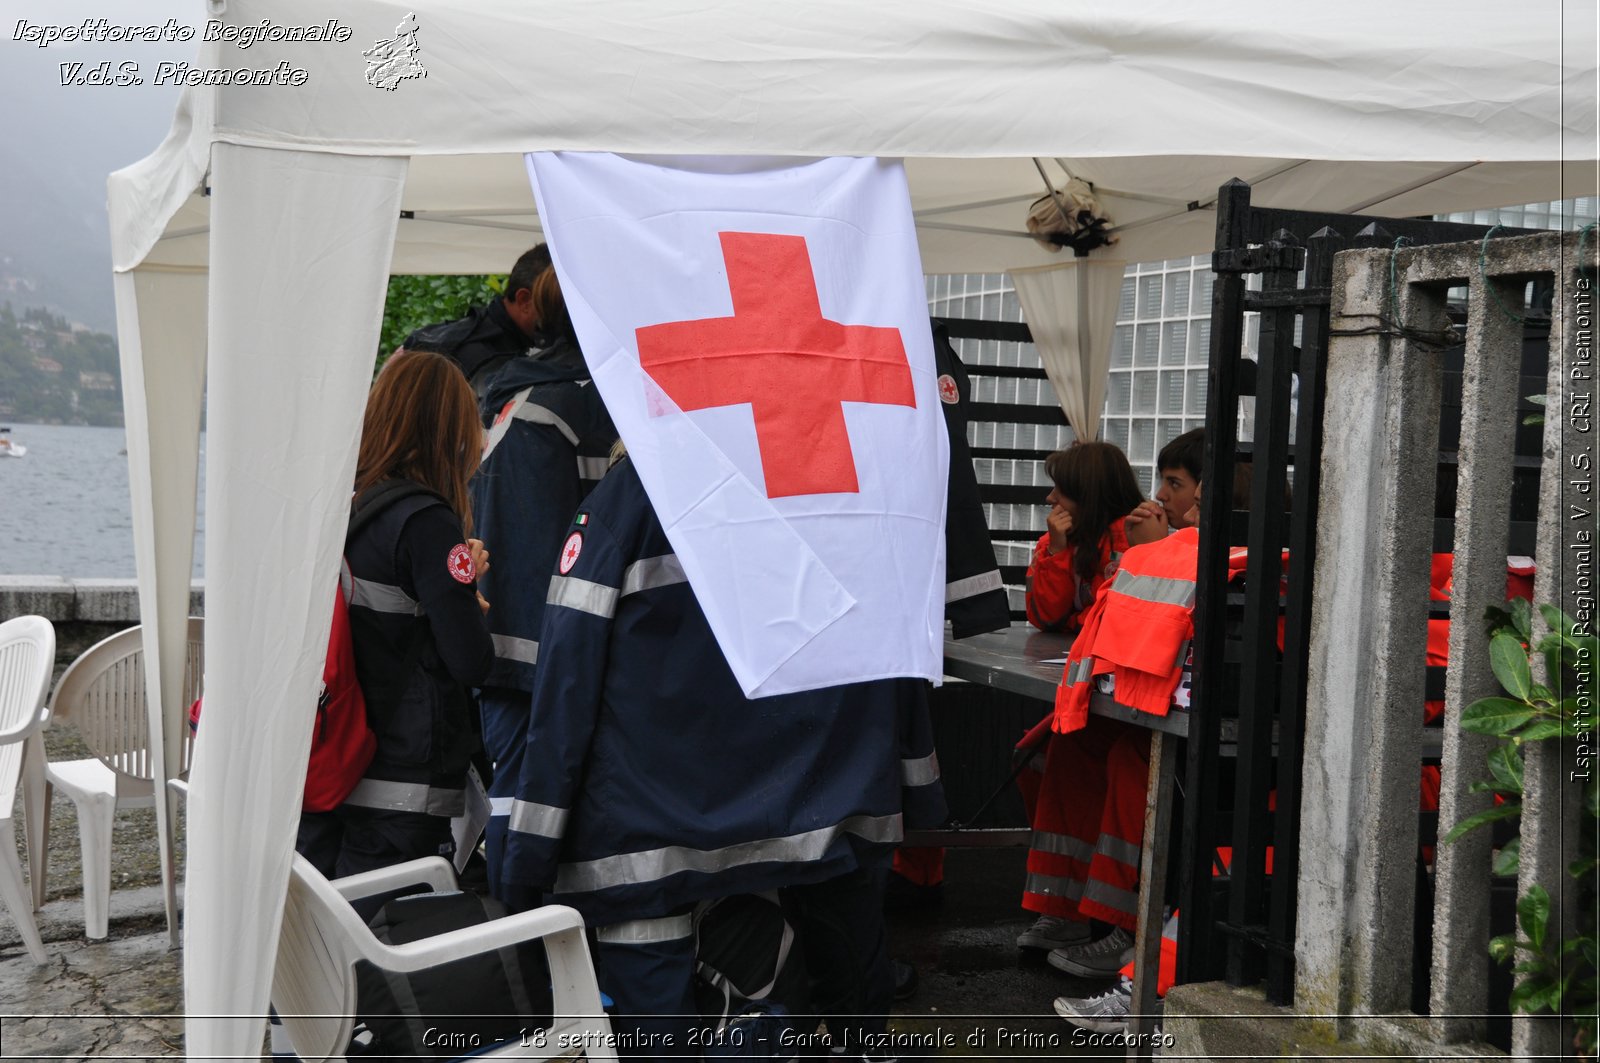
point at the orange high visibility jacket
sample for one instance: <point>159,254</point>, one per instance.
<point>1056,598</point>
<point>1138,630</point>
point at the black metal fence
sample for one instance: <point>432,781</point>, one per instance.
<point>1241,924</point>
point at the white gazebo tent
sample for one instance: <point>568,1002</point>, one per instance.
<point>252,248</point>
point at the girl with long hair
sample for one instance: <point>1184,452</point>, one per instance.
<point>1094,491</point>
<point>416,619</point>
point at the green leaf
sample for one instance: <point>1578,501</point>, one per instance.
<point>1522,617</point>
<point>1510,663</point>
<point>1505,764</point>
<point>1539,730</point>
<point>1488,815</point>
<point>1495,716</point>
<point>1495,620</point>
<point>1508,859</point>
<point>1533,914</point>
<point>1557,621</point>
<point>1580,868</point>
<point>1537,400</point>
<point>1503,947</point>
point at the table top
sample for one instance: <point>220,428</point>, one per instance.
<point>1014,659</point>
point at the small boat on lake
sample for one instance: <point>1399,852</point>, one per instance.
<point>9,449</point>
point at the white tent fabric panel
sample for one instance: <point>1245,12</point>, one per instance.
<point>1071,310</point>
<point>300,252</point>
<point>161,344</point>
<point>917,77</point>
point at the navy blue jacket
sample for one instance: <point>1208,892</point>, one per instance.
<point>481,342</point>
<point>974,596</point>
<point>550,442</point>
<point>649,781</point>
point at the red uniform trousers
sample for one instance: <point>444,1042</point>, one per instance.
<point>1088,825</point>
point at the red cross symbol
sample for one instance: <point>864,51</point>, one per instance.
<point>779,354</point>
<point>570,550</point>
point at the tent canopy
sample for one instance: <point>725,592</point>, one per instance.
<point>252,246</point>
<point>1441,112</point>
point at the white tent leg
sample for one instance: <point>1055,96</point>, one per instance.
<point>161,341</point>
<point>300,250</point>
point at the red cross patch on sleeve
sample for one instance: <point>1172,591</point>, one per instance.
<point>570,550</point>
<point>460,564</point>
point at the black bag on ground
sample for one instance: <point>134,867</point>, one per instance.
<point>455,1008</point>
<point>750,977</point>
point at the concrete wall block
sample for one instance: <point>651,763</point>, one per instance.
<point>48,596</point>
<point>1212,1020</point>
<point>108,601</point>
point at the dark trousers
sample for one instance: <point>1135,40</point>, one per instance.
<point>840,924</point>
<point>841,941</point>
<point>505,735</point>
<point>651,985</point>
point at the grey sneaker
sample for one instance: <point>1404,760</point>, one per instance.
<point>1106,1013</point>
<point>1097,959</point>
<point>1053,932</point>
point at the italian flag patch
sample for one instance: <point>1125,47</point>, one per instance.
<point>581,519</point>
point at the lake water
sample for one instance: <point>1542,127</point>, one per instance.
<point>64,506</point>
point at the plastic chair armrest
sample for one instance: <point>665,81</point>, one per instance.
<point>38,723</point>
<point>432,871</point>
<point>472,940</point>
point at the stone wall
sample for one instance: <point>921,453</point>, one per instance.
<point>83,611</point>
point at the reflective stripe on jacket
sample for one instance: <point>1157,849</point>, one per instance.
<point>1138,629</point>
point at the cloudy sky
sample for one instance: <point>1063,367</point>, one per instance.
<point>58,143</point>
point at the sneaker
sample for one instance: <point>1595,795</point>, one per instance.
<point>1053,932</point>
<point>1106,1013</point>
<point>1097,959</point>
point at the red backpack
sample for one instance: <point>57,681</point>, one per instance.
<point>342,745</point>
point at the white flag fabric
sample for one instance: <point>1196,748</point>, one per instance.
<point>759,331</point>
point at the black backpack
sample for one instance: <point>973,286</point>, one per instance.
<point>750,977</point>
<point>456,1008</point>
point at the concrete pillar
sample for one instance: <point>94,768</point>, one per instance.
<point>1460,987</point>
<point>1366,670</point>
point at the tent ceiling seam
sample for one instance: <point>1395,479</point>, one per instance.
<point>1397,193</point>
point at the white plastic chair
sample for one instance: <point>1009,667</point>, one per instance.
<point>27,656</point>
<point>314,982</point>
<point>102,695</point>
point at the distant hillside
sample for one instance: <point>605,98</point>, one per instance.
<point>57,144</point>
<point>51,374</point>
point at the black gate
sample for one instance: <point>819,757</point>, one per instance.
<point>1239,924</point>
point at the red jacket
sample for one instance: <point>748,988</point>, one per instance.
<point>1056,597</point>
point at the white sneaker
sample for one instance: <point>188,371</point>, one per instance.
<point>1053,932</point>
<point>1106,1013</point>
<point>1098,959</point>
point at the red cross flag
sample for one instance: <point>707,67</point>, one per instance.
<point>759,331</point>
